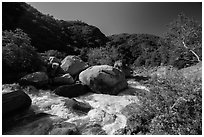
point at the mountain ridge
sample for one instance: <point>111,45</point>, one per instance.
<point>48,33</point>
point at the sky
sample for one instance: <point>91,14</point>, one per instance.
<point>122,17</point>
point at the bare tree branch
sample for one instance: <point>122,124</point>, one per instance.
<point>191,51</point>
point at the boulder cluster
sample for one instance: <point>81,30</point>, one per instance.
<point>73,77</point>
<point>62,91</point>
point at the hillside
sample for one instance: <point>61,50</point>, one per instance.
<point>48,33</point>
<point>140,49</point>
<point>132,49</point>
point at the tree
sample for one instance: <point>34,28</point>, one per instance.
<point>185,35</point>
<point>18,56</point>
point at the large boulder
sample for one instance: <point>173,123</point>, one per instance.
<point>73,90</point>
<point>34,123</point>
<point>73,65</point>
<point>79,108</point>
<point>14,101</point>
<point>63,80</point>
<point>104,79</point>
<point>37,79</point>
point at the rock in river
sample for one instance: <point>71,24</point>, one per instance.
<point>104,79</point>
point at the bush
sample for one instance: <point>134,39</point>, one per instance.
<point>102,56</point>
<point>83,54</point>
<point>18,56</point>
<point>55,53</point>
<point>174,106</point>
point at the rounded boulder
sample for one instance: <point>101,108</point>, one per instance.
<point>73,65</point>
<point>64,79</point>
<point>103,79</point>
<point>73,90</point>
<point>37,79</point>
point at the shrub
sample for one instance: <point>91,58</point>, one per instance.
<point>55,53</point>
<point>18,55</point>
<point>102,56</point>
<point>83,54</point>
<point>174,106</point>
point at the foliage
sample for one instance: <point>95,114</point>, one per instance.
<point>84,54</point>
<point>140,49</point>
<point>17,53</point>
<point>173,107</point>
<point>103,55</point>
<point>48,33</point>
<point>185,37</point>
<point>55,53</point>
<point>135,49</point>
<point>77,37</point>
<point>149,50</point>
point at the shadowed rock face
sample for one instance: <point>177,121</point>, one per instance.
<point>65,79</point>
<point>14,100</point>
<point>73,90</point>
<point>42,124</point>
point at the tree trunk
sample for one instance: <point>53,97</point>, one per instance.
<point>191,51</point>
